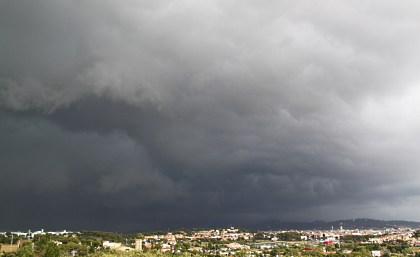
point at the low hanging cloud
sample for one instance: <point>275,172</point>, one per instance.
<point>41,157</point>
<point>200,113</point>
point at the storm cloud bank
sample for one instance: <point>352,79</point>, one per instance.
<point>147,114</point>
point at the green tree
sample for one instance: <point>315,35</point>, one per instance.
<point>51,250</point>
<point>25,251</point>
<point>274,252</point>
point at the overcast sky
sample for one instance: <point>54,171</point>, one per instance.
<point>132,115</point>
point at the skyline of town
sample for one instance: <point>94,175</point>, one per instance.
<point>225,242</point>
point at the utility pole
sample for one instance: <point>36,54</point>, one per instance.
<point>11,243</point>
<point>339,242</point>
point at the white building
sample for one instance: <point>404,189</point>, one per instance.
<point>376,253</point>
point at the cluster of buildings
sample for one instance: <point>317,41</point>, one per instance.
<point>169,241</point>
<point>138,245</point>
<point>31,234</point>
<point>377,236</point>
<point>228,241</point>
<point>309,240</point>
<point>229,234</point>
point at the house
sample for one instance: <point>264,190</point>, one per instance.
<point>376,253</point>
<point>111,245</point>
<point>166,248</point>
<point>116,246</point>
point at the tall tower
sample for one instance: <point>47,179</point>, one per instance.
<point>138,246</point>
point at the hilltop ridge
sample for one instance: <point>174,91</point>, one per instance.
<point>359,223</point>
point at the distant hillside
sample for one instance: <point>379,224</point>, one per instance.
<point>347,224</point>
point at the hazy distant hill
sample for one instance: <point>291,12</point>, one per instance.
<point>347,224</point>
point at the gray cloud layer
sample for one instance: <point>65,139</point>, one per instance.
<point>140,115</point>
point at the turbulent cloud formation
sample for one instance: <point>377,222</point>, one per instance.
<point>133,115</point>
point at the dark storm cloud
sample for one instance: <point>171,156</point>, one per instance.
<point>44,166</point>
<point>196,113</point>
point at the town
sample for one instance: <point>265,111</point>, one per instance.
<point>402,241</point>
